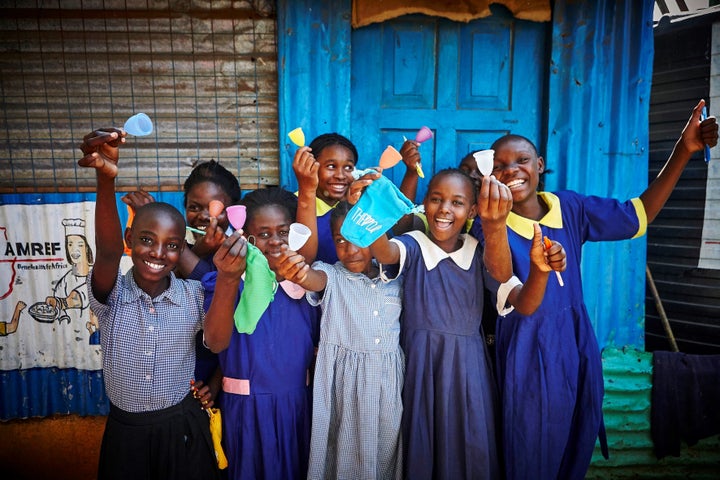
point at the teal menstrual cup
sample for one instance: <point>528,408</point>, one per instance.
<point>139,125</point>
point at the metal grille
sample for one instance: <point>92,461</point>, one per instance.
<point>204,71</point>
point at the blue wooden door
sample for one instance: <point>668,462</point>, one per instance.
<point>469,82</point>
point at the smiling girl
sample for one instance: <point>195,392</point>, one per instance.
<point>449,400</point>
<point>267,399</point>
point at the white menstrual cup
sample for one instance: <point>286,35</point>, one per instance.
<point>390,157</point>
<point>423,135</point>
<point>297,136</point>
<point>139,125</point>
<point>484,160</point>
<point>298,235</point>
<point>236,215</point>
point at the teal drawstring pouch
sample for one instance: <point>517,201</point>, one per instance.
<point>258,291</point>
<point>380,206</point>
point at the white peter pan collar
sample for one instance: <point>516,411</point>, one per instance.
<point>432,254</point>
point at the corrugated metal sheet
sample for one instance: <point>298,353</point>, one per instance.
<point>313,71</point>
<point>690,296</point>
<point>628,389</point>
<point>599,95</point>
<point>205,72</point>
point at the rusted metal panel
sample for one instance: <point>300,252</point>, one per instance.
<point>205,72</point>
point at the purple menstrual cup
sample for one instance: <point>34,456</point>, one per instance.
<point>236,214</point>
<point>139,125</point>
<point>423,135</point>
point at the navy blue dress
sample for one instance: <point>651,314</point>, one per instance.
<point>449,397</point>
<point>548,364</point>
<point>266,433</point>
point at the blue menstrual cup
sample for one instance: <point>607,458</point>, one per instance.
<point>139,125</point>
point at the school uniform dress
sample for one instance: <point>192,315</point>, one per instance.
<point>155,428</point>
<point>549,364</point>
<point>326,243</point>
<point>357,398</point>
<point>449,416</point>
<point>267,400</point>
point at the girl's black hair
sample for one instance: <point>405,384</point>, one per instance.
<point>338,215</point>
<point>263,197</point>
<point>215,173</point>
<point>448,172</point>
<point>330,139</point>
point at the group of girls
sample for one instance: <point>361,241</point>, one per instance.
<point>371,362</point>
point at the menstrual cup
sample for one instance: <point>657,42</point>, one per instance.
<point>299,234</point>
<point>390,157</point>
<point>298,137</point>
<point>215,208</point>
<point>423,135</point>
<point>139,125</point>
<point>484,160</point>
<point>236,215</point>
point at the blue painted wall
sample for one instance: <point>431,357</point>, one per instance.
<point>598,91</point>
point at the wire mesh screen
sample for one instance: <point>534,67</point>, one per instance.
<point>204,71</point>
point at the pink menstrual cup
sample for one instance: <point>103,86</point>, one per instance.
<point>139,125</point>
<point>236,215</point>
<point>423,135</point>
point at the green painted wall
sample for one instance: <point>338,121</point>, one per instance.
<point>628,388</point>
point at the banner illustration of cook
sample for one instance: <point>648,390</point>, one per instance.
<point>47,255</point>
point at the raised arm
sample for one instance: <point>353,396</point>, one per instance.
<point>230,260</point>
<point>100,151</point>
<point>306,170</point>
<point>693,138</point>
<point>494,205</point>
<point>411,158</point>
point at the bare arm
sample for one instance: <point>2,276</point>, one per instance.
<point>527,298</point>
<point>292,266</point>
<point>385,251</point>
<point>306,171</point>
<point>411,158</point>
<point>230,260</point>
<point>100,150</point>
<point>693,138</point>
<point>494,205</point>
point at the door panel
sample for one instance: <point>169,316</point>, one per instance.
<point>470,83</point>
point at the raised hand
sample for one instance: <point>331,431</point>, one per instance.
<point>100,149</point>
<point>696,133</point>
<point>231,257</point>
<point>306,169</point>
<point>137,199</point>
<point>494,202</point>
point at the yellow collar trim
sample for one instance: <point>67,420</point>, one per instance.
<point>321,208</point>
<point>553,219</point>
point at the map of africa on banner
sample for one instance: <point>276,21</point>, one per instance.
<point>46,253</point>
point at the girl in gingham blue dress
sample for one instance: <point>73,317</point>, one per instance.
<point>357,402</point>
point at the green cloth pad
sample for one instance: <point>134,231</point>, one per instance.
<point>258,291</point>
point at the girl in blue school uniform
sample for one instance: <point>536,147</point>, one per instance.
<point>449,399</point>
<point>549,365</point>
<point>267,398</point>
<point>336,157</point>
